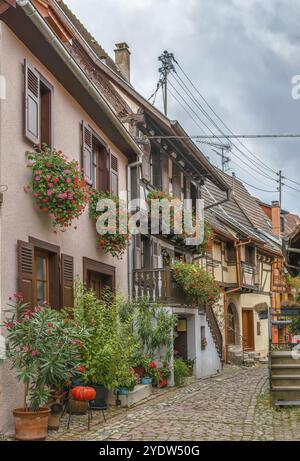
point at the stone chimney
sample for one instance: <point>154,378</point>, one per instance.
<point>122,59</point>
<point>276,218</point>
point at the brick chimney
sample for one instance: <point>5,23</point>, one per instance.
<point>122,59</point>
<point>276,218</point>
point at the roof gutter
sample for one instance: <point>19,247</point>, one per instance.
<point>30,11</point>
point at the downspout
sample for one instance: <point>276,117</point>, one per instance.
<point>137,163</point>
<point>51,38</point>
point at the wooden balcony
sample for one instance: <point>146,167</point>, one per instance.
<point>158,285</point>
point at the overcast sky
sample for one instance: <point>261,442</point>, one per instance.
<point>240,54</point>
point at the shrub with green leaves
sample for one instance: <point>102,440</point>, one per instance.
<point>181,371</point>
<point>196,282</point>
<point>44,347</point>
<point>108,349</point>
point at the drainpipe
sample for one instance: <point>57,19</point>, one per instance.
<point>130,247</point>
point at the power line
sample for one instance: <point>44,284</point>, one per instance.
<point>257,188</point>
<point>219,118</point>
<point>223,135</point>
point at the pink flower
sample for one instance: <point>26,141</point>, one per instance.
<point>35,352</point>
<point>25,348</point>
<point>49,192</point>
<point>26,188</point>
<point>51,215</point>
<point>67,172</point>
<point>35,194</point>
<point>69,180</point>
<point>37,178</point>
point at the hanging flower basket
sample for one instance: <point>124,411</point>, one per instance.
<point>112,241</point>
<point>58,186</point>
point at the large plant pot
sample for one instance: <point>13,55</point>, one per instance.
<point>78,407</point>
<point>31,425</point>
<point>100,401</point>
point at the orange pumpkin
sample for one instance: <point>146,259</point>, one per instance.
<point>83,393</point>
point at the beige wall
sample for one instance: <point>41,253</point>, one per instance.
<point>18,218</point>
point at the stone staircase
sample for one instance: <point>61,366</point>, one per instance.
<point>285,376</point>
<point>235,356</point>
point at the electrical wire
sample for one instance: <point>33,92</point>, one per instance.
<point>219,118</point>
<point>198,105</point>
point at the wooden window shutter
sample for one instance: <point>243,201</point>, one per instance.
<point>87,152</point>
<point>146,163</point>
<point>67,281</point>
<point>165,173</point>
<point>114,175</point>
<point>138,251</point>
<point>155,249</point>
<point>32,103</point>
<point>25,256</point>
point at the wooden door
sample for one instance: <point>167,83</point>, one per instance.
<point>248,329</point>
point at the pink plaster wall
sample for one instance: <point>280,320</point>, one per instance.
<point>17,215</point>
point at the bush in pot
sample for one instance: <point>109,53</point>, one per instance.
<point>108,349</point>
<point>43,346</point>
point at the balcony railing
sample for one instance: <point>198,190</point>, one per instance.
<point>158,285</point>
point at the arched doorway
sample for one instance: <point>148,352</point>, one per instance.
<point>232,324</point>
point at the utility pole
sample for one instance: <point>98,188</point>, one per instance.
<point>280,184</point>
<point>167,66</point>
<point>224,158</point>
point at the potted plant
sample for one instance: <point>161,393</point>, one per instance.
<point>196,282</point>
<point>203,344</point>
<point>111,241</point>
<point>127,380</point>
<point>43,347</point>
<point>58,187</point>
<point>108,349</point>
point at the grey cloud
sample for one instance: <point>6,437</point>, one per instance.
<point>241,54</point>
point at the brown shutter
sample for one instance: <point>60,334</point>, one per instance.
<point>114,175</point>
<point>25,253</point>
<point>67,281</point>
<point>146,166</point>
<point>176,181</point>
<point>165,173</point>
<point>32,104</point>
<point>87,152</point>
<point>138,251</point>
<point>155,249</point>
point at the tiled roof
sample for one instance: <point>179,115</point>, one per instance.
<point>241,213</point>
<point>96,47</point>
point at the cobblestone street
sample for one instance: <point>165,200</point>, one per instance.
<point>231,406</point>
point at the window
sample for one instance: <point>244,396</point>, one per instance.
<point>101,167</point>
<point>44,274</point>
<point>38,107</point>
<point>250,255</point>
<point>230,252</point>
<point>282,224</point>
<point>41,277</point>
<point>194,195</point>
<point>98,275</point>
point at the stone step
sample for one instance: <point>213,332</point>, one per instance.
<point>287,370</point>
<point>263,360</point>
<point>286,381</point>
<point>283,358</point>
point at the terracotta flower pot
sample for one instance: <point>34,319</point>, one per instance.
<point>31,425</point>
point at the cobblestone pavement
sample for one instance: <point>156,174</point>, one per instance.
<point>232,406</point>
